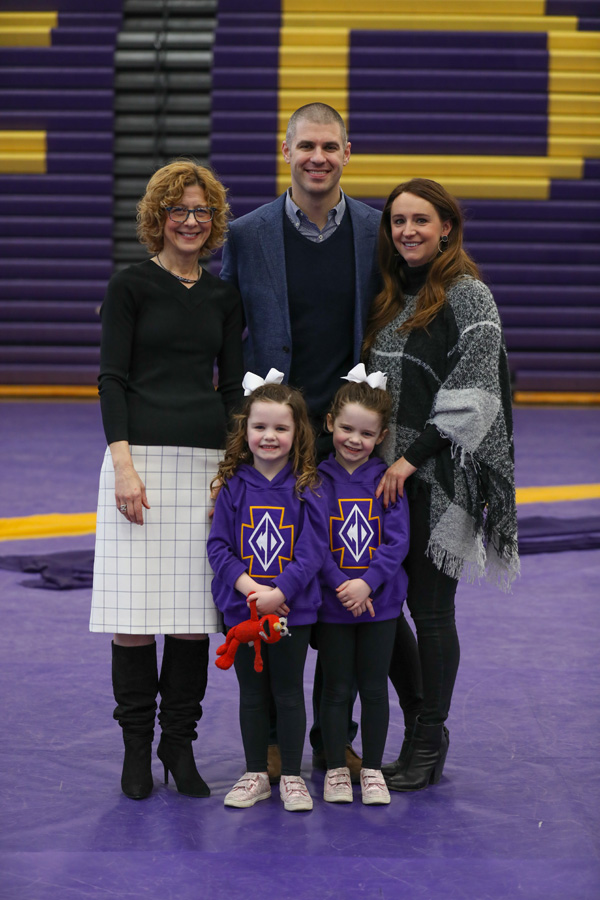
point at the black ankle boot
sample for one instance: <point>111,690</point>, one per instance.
<point>394,767</point>
<point>182,686</point>
<point>425,759</point>
<point>135,686</point>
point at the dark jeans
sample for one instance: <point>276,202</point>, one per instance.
<point>430,601</point>
<point>282,680</point>
<point>405,672</point>
<point>360,653</point>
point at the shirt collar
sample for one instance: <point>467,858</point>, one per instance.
<point>295,214</point>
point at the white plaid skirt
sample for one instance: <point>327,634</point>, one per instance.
<point>155,578</point>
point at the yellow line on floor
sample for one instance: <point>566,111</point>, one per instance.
<point>65,524</point>
<point>556,398</point>
<point>48,390</point>
<point>53,525</point>
<point>560,492</point>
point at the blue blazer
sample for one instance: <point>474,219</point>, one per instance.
<point>254,261</point>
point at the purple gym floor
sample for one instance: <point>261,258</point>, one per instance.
<point>515,815</point>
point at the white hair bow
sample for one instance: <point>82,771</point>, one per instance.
<point>252,381</point>
<point>374,380</point>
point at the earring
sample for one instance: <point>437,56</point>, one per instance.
<point>443,243</point>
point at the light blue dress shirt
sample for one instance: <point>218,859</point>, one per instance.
<point>308,229</point>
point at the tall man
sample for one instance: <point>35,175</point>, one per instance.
<point>305,265</point>
<point>306,268</point>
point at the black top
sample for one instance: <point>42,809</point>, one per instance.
<point>321,297</point>
<point>430,441</point>
<point>412,278</point>
<point>160,341</point>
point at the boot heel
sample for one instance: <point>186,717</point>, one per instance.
<point>437,772</point>
<point>439,766</point>
<point>179,761</point>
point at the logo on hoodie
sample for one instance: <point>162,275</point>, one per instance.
<point>355,534</point>
<point>267,542</point>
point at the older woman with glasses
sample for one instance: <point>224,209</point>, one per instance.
<point>164,323</point>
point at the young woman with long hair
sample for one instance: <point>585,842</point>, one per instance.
<point>435,329</point>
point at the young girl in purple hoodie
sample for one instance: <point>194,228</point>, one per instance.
<point>363,583</point>
<point>267,543</point>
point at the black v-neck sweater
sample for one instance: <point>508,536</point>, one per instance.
<point>321,286</point>
<point>159,344</point>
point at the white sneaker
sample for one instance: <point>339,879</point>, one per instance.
<point>251,787</point>
<point>294,793</point>
<point>373,787</point>
<point>338,787</point>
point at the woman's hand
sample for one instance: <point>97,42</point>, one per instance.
<point>269,600</point>
<point>355,595</point>
<point>130,491</point>
<point>392,483</point>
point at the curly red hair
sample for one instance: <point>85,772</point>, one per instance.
<point>166,188</point>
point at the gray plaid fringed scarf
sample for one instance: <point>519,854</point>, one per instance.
<point>455,375</point>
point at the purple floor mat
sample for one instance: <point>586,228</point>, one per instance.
<point>64,571</point>
<point>541,534</point>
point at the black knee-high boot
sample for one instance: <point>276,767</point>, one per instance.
<point>182,686</point>
<point>135,686</point>
<point>425,758</point>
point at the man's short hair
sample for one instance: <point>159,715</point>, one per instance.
<point>320,114</point>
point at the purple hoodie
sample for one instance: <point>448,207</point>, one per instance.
<point>263,528</point>
<point>366,541</point>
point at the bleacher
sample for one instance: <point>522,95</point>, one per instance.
<point>56,183</point>
<point>501,103</point>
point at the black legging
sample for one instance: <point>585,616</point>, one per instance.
<point>430,600</point>
<point>282,679</point>
<point>405,672</point>
<point>362,651</point>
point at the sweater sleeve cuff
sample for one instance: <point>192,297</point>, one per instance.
<point>429,442</point>
<point>286,583</point>
<point>372,579</point>
<point>232,572</point>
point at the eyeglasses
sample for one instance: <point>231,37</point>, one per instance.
<point>180,214</point>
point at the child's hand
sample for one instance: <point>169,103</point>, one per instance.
<point>367,605</point>
<point>269,600</point>
<point>353,594</point>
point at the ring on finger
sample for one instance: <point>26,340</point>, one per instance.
<point>123,508</point>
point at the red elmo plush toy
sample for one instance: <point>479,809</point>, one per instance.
<point>269,629</point>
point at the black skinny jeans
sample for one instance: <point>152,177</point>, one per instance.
<point>430,601</point>
<point>282,681</point>
<point>362,652</point>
